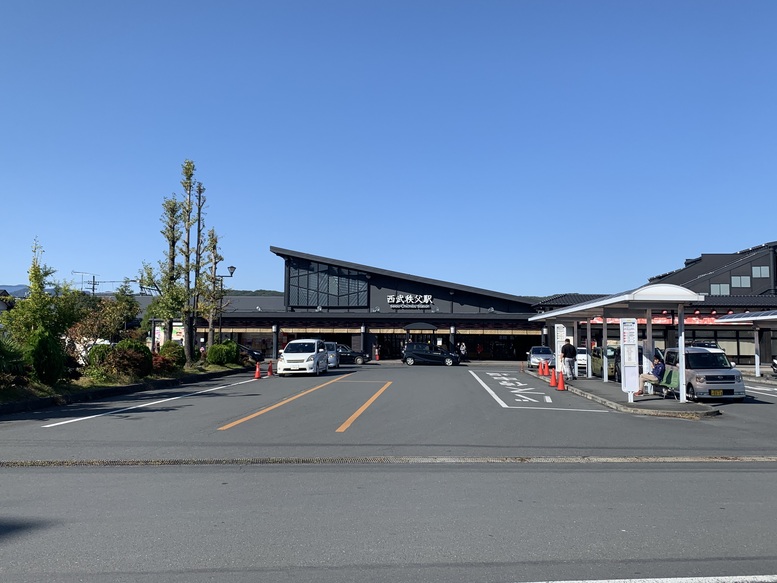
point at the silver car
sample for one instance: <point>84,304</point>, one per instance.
<point>332,356</point>
<point>537,354</point>
<point>708,374</point>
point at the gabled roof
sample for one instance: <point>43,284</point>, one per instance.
<point>563,300</point>
<point>708,265</point>
<point>287,253</point>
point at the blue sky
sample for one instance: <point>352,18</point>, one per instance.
<point>526,147</point>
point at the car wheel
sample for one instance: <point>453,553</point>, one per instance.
<point>409,361</point>
<point>448,361</point>
<point>690,394</point>
<point>358,360</point>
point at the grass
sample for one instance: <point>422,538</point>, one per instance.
<point>34,390</point>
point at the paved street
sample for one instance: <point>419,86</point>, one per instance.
<point>385,473</point>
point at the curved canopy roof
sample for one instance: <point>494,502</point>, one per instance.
<point>659,296</point>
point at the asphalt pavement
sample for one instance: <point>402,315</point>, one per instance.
<point>610,394</point>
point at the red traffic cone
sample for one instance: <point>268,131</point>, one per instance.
<point>561,386</point>
<point>269,369</point>
<point>553,382</point>
<point>258,373</point>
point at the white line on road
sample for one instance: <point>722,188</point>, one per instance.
<point>149,404</point>
<point>506,406</point>
<point>742,579</point>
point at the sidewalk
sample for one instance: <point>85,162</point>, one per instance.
<point>611,395</point>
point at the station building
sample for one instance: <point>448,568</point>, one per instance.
<point>378,310</point>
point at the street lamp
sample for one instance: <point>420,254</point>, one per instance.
<point>231,270</point>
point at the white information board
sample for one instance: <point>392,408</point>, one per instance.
<point>560,337</point>
<point>629,364</point>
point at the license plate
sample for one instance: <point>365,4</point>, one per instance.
<point>716,393</point>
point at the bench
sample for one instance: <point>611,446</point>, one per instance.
<point>670,382</point>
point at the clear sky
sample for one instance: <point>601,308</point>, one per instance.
<point>526,147</point>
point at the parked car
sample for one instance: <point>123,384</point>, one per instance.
<point>332,356</point>
<point>613,354</point>
<point>306,356</point>
<point>537,354</point>
<point>255,355</point>
<point>420,353</point>
<point>350,356</point>
<point>582,358</point>
<point>703,344</point>
<point>708,373</point>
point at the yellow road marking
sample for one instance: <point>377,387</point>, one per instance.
<point>271,407</point>
<point>362,409</point>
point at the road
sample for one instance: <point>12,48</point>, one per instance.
<point>384,473</point>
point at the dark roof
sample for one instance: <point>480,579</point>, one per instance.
<point>564,300</point>
<point>286,253</point>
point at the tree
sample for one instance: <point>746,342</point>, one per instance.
<point>39,321</point>
<point>105,322</point>
<point>178,283</point>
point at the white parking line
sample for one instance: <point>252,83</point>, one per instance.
<point>741,579</point>
<point>149,404</point>
<point>547,399</point>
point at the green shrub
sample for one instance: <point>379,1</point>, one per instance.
<point>46,354</point>
<point>218,354</point>
<point>11,356</point>
<point>98,354</point>
<point>131,358</point>
<point>164,365</point>
<point>233,351</point>
<point>174,351</point>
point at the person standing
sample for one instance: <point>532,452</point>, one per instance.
<point>463,351</point>
<point>569,354</point>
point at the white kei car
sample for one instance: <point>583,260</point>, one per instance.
<point>306,356</point>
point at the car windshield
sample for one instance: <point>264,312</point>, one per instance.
<point>331,346</point>
<point>542,350</point>
<point>581,350</point>
<point>702,360</point>
<point>299,347</point>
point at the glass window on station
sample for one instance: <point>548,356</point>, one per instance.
<point>313,284</point>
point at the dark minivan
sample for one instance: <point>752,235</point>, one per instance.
<point>420,353</point>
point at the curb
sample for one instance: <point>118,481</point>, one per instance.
<point>628,408</point>
<point>710,412</point>
<point>103,392</point>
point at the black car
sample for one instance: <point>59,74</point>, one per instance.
<point>420,353</point>
<point>250,353</point>
<point>348,356</point>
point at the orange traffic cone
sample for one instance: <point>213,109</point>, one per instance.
<point>561,386</point>
<point>545,372</point>
<point>553,382</point>
<point>269,369</point>
<point>258,373</point>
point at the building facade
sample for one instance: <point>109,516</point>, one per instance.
<point>378,310</point>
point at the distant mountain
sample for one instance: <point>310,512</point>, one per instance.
<point>258,292</point>
<point>18,291</point>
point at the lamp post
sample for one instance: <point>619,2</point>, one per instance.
<point>231,269</point>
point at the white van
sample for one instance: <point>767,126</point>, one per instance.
<point>308,356</point>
